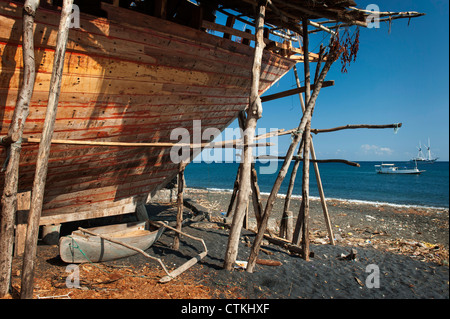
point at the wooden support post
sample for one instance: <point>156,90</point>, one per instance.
<point>14,145</point>
<point>229,23</point>
<point>323,201</point>
<point>245,223</point>
<point>287,223</point>
<point>245,40</point>
<point>266,33</point>
<point>241,120</point>
<point>256,196</point>
<point>161,9</point>
<point>306,147</point>
<point>180,206</point>
<point>285,166</point>
<point>235,191</point>
<point>43,154</point>
<point>254,112</point>
<point>141,212</point>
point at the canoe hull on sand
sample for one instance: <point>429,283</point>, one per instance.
<point>80,247</point>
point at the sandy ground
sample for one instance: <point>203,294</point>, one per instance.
<point>401,253</point>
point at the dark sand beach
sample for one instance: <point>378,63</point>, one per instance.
<point>405,247</point>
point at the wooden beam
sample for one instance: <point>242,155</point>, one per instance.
<point>357,126</point>
<point>161,9</point>
<point>180,206</point>
<point>228,30</point>
<point>293,92</point>
<point>187,264</point>
<point>256,196</point>
<point>14,146</point>
<point>247,22</point>
<point>253,114</point>
<point>299,158</point>
<point>306,149</point>
<point>325,14</point>
<point>229,24</point>
<point>323,201</point>
<point>43,154</point>
<point>224,144</point>
<point>248,36</point>
<point>241,119</point>
<point>287,223</point>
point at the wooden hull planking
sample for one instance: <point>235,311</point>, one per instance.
<point>123,83</point>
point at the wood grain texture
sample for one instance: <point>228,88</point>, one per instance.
<point>124,83</point>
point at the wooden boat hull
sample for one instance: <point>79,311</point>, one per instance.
<point>122,82</point>
<point>390,169</point>
<point>80,247</point>
<point>406,172</point>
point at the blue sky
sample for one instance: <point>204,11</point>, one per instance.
<point>401,76</point>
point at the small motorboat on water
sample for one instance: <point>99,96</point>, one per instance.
<point>82,247</point>
<point>392,169</point>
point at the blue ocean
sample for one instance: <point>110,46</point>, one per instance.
<point>340,181</point>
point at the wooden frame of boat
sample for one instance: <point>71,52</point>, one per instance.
<point>129,82</point>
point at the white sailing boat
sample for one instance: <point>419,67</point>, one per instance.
<point>421,158</point>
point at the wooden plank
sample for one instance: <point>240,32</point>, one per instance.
<point>292,92</point>
<point>165,57</point>
<point>92,211</point>
<point>145,30</point>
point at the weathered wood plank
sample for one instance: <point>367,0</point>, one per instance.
<point>189,75</point>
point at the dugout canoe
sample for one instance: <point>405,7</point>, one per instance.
<point>129,77</point>
<point>81,247</point>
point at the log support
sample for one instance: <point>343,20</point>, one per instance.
<point>13,143</point>
<point>254,112</point>
<point>37,196</point>
<point>285,166</point>
<point>180,206</point>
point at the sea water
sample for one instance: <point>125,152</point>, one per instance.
<point>340,181</point>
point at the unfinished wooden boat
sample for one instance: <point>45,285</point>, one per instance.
<point>130,77</point>
<point>81,247</point>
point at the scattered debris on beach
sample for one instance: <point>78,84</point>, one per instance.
<point>423,251</point>
<point>101,281</point>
